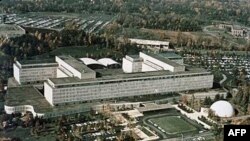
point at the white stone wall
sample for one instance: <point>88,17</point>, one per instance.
<point>22,109</point>
<point>146,68</point>
<point>127,65</point>
<point>60,74</point>
<point>24,75</point>
<point>130,88</point>
<point>158,62</point>
<point>16,73</point>
<point>48,93</point>
<point>37,74</point>
<point>69,68</point>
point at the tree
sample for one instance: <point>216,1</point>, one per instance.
<point>237,99</point>
<point>210,101</point>
<point>206,102</point>
<point>217,97</point>
<point>184,99</point>
<point>174,101</point>
<point>192,101</point>
<point>229,95</point>
<point>217,131</point>
<point>245,99</point>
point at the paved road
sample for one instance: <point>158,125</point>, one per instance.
<point>212,33</point>
<point>224,79</point>
<point>206,135</point>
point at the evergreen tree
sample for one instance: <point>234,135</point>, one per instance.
<point>210,102</point>
<point>237,99</point>
<point>229,95</point>
<point>206,101</point>
<point>217,97</point>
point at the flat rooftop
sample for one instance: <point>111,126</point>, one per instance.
<point>149,42</point>
<point>37,61</point>
<point>8,29</point>
<point>76,64</point>
<point>118,74</point>
<point>170,55</point>
<point>163,59</point>
<point>29,95</point>
<point>154,107</point>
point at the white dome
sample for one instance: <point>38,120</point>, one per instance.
<point>107,61</point>
<point>90,61</point>
<point>222,108</point>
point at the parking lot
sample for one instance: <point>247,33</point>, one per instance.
<point>90,23</point>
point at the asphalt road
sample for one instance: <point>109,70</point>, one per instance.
<point>206,135</point>
<point>212,33</point>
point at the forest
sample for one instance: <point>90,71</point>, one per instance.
<point>183,15</point>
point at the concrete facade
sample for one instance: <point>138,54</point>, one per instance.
<point>33,73</point>
<point>68,80</point>
<point>85,91</point>
<point>150,44</point>
<point>151,62</point>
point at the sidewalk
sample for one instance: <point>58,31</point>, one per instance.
<point>193,116</point>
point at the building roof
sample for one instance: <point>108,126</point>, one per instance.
<point>163,59</point>
<point>76,64</point>
<point>37,61</point>
<point>90,61</point>
<point>107,61</point>
<point>170,55</point>
<point>154,107</point>
<point>29,95</point>
<point>148,42</point>
<point>118,74</point>
<point>10,30</point>
<point>222,109</point>
<point>237,27</point>
<point>134,58</point>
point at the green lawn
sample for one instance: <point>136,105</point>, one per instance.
<point>173,124</point>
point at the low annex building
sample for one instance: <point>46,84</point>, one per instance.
<point>164,45</point>
<point>67,80</point>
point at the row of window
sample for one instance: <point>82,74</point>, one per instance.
<point>131,80</point>
<point>40,66</point>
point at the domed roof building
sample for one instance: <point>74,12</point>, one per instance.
<point>222,109</point>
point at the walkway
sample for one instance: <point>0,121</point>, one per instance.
<point>193,116</point>
<point>206,135</point>
<point>224,79</point>
<point>213,33</point>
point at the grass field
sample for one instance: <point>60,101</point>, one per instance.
<point>173,124</point>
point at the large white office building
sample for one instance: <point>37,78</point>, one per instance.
<point>70,80</point>
<point>34,71</point>
<point>150,44</point>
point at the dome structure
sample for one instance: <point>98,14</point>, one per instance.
<point>91,63</point>
<point>222,109</point>
<point>107,61</point>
